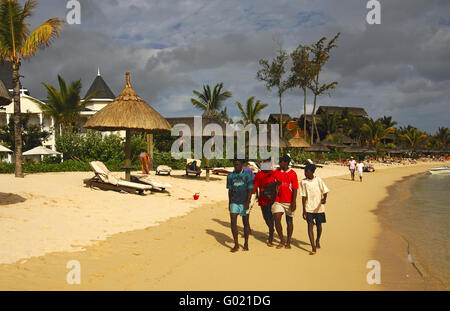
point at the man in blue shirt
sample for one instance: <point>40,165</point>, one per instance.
<point>239,185</point>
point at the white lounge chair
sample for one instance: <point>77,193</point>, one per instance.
<point>192,172</point>
<point>106,180</point>
<point>163,169</point>
<point>147,180</point>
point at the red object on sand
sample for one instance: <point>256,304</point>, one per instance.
<point>196,196</point>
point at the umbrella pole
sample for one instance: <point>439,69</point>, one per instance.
<point>127,155</point>
<point>150,151</point>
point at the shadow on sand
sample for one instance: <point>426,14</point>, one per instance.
<point>258,235</point>
<point>10,198</point>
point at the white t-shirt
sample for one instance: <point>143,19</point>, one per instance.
<point>313,190</point>
<point>360,167</point>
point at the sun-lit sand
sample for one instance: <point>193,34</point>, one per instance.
<point>171,242</point>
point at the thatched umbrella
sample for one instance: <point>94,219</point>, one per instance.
<point>5,99</point>
<point>131,113</point>
<point>355,149</point>
<point>317,148</point>
<point>298,142</point>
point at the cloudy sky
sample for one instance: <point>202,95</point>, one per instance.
<point>399,68</point>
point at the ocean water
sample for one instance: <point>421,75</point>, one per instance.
<point>423,219</point>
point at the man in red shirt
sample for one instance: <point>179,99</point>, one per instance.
<point>286,199</point>
<point>266,191</point>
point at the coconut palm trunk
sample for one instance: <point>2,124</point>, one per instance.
<point>17,118</point>
<point>281,115</point>
<point>304,113</point>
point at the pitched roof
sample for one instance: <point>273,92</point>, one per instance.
<point>276,117</point>
<point>357,111</point>
<point>6,75</point>
<point>100,85</point>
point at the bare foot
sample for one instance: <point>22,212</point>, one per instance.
<point>270,244</point>
<point>281,245</point>
<point>312,252</point>
<point>234,249</point>
<point>245,248</point>
<point>317,244</point>
<point>288,246</point>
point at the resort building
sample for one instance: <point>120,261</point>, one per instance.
<point>30,105</point>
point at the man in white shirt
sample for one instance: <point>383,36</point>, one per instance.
<point>314,195</point>
<point>360,168</point>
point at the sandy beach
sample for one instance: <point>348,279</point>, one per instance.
<point>171,242</point>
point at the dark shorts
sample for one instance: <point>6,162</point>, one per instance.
<point>352,171</point>
<point>315,218</point>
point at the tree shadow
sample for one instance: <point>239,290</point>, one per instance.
<point>263,237</point>
<point>10,198</point>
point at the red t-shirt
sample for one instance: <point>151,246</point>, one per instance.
<point>288,182</point>
<point>261,180</point>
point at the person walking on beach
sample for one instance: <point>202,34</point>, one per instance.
<point>352,167</point>
<point>285,201</point>
<point>145,159</point>
<point>266,191</point>
<point>314,195</point>
<point>240,189</point>
<point>247,168</point>
<point>360,168</point>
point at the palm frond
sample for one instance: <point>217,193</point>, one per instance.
<point>41,37</point>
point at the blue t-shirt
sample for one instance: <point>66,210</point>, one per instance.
<point>239,184</point>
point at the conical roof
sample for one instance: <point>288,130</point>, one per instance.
<point>5,99</point>
<point>104,92</point>
<point>127,112</point>
<point>298,142</point>
<point>41,150</point>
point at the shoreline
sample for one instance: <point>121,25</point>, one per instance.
<point>169,255</point>
<point>399,192</point>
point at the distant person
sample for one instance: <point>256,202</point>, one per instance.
<point>352,167</point>
<point>266,191</point>
<point>314,195</point>
<point>145,160</point>
<point>285,201</point>
<point>360,168</point>
<point>240,189</point>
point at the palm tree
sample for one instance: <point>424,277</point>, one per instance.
<point>65,105</point>
<point>329,122</point>
<point>442,137</point>
<point>211,101</point>
<point>413,136</point>
<point>252,110</point>
<point>17,42</point>
<point>375,131</point>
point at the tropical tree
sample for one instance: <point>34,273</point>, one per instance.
<point>321,54</point>
<point>375,131</point>
<point>272,72</point>
<point>211,101</point>
<point>442,137</point>
<point>328,122</point>
<point>251,111</point>
<point>64,105</point>
<point>302,75</point>
<point>388,121</point>
<point>17,42</point>
<point>413,136</point>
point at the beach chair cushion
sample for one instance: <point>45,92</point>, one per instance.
<point>103,173</point>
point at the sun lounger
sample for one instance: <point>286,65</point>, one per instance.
<point>105,180</point>
<point>221,171</point>
<point>193,172</point>
<point>147,180</point>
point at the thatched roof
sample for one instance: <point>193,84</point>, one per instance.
<point>356,149</point>
<point>5,99</point>
<point>205,119</point>
<point>128,112</point>
<point>282,142</point>
<point>298,142</point>
<point>317,148</point>
<point>337,139</point>
<point>275,117</point>
<point>357,111</point>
